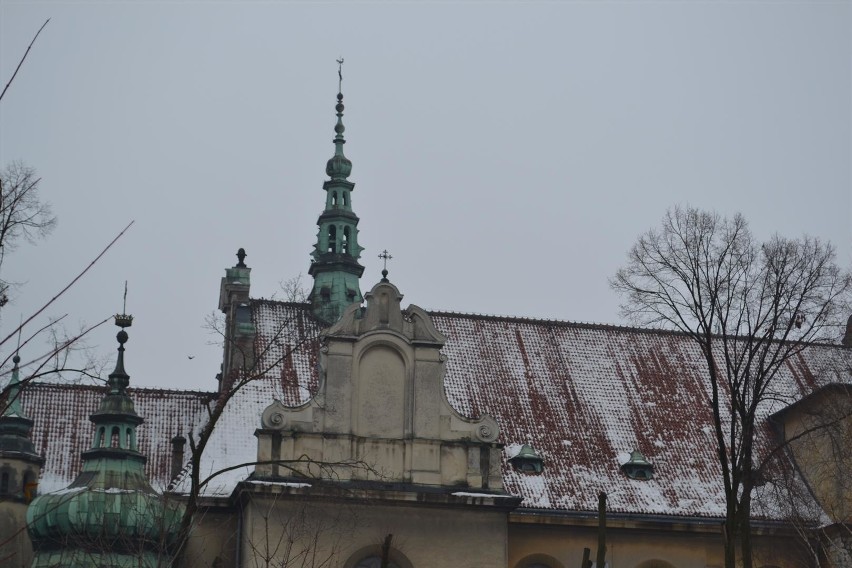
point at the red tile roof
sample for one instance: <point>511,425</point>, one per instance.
<point>582,395</point>
<point>62,428</point>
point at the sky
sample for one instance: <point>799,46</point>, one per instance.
<point>507,154</point>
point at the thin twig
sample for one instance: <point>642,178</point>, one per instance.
<point>21,62</point>
<point>56,297</point>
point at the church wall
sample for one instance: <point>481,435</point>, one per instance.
<point>824,456</point>
<point>15,548</point>
<point>561,546</point>
<point>334,532</point>
<point>214,539</point>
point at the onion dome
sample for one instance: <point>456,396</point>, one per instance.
<point>339,166</point>
<point>110,515</point>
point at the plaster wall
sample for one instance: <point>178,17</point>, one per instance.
<point>214,538</point>
<point>561,546</point>
<point>824,456</point>
<point>15,548</point>
<point>342,533</point>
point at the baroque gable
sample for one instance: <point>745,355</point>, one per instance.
<point>380,410</point>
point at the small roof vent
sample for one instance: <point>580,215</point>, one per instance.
<point>527,460</point>
<point>638,467</point>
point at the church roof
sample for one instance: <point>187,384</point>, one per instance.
<point>62,428</point>
<point>582,396</point>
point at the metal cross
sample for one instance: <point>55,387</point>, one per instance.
<point>340,75</point>
<point>385,256</point>
<point>124,306</point>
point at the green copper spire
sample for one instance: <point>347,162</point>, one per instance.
<point>13,392</point>
<point>109,515</point>
<point>334,265</point>
<point>16,447</point>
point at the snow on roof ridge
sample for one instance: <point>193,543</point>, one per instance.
<point>532,320</point>
<point>100,387</point>
<point>557,321</point>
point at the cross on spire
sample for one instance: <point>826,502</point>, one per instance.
<point>385,256</point>
<point>340,75</point>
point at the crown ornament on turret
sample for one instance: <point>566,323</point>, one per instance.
<point>339,166</point>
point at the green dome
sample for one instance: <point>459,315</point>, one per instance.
<point>339,166</point>
<point>98,526</point>
<point>109,517</point>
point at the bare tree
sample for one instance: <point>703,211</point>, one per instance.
<point>293,290</point>
<point>23,214</point>
<point>254,367</point>
<point>750,307</point>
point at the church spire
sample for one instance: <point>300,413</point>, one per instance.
<point>335,266</point>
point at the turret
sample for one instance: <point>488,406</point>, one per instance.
<point>109,515</point>
<point>239,330</point>
<point>335,266</point>
<point>20,467</point>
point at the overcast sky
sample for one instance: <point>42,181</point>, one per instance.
<point>506,154</point>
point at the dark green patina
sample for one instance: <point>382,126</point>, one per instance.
<point>110,516</point>
<point>335,266</point>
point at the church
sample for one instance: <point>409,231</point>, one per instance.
<point>354,430</point>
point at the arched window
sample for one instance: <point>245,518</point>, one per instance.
<point>345,240</point>
<point>128,439</point>
<point>373,562</point>
<point>101,434</point>
<point>345,199</point>
<point>332,238</point>
<point>30,486</point>
<point>539,561</point>
<point>371,557</point>
<point>115,437</point>
<point>334,199</point>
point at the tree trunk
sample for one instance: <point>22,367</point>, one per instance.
<point>745,528</point>
<point>601,557</point>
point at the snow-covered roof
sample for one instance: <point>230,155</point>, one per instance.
<point>582,395</point>
<point>62,428</point>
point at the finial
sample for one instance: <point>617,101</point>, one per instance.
<point>241,256</point>
<point>339,166</point>
<point>385,256</point>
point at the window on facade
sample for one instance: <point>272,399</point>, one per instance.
<point>115,437</point>
<point>334,199</point>
<point>345,240</point>
<point>4,483</point>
